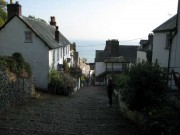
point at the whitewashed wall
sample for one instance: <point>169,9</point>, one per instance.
<point>100,67</point>
<point>115,66</point>
<point>35,53</point>
<point>141,56</point>
<point>176,49</point>
<point>159,51</point>
<point>67,54</point>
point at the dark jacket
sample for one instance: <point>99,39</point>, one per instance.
<point>110,87</point>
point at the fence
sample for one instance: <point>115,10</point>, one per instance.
<point>171,79</point>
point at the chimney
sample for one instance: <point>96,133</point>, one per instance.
<point>57,34</point>
<point>150,37</point>
<point>13,9</point>
<point>53,21</point>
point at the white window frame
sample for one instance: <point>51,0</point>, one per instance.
<point>167,44</point>
<point>28,37</point>
<point>58,50</point>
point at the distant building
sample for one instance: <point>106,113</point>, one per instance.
<point>113,59</point>
<point>166,47</point>
<point>145,46</point>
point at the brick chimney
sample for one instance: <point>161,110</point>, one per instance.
<point>57,34</point>
<point>53,21</point>
<point>112,46</point>
<point>13,8</point>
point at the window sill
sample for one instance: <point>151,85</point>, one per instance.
<point>28,42</point>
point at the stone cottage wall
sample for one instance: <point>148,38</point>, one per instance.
<point>14,90</point>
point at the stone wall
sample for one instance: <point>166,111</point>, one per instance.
<point>14,90</point>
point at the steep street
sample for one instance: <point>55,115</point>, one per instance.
<point>83,113</point>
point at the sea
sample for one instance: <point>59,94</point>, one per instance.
<point>87,48</point>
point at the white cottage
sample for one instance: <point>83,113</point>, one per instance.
<point>166,44</point>
<point>40,44</point>
<point>113,59</point>
<point>145,46</point>
<point>166,48</point>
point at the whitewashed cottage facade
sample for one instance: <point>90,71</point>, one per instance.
<point>113,59</point>
<point>166,44</point>
<point>41,44</point>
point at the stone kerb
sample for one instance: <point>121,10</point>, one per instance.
<point>14,91</point>
<point>135,116</point>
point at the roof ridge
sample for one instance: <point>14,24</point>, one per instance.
<point>166,25</point>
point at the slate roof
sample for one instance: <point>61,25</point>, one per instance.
<point>44,31</point>
<point>101,55</point>
<point>129,54</point>
<point>169,25</point>
<point>119,59</point>
<point>142,42</point>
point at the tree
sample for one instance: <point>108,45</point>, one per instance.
<point>3,13</point>
<point>146,86</point>
<point>65,66</point>
<point>84,60</point>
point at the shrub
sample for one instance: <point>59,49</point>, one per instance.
<point>162,118</point>
<point>121,81</point>
<point>146,86</point>
<point>17,57</point>
<point>61,83</point>
<point>16,65</point>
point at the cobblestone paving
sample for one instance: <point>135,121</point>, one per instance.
<point>84,113</point>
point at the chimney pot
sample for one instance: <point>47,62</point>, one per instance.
<point>57,34</point>
<point>11,1</point>
<point>53,21</point>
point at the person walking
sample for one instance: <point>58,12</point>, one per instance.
<point>110,88</point>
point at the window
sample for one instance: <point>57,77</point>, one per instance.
<point>53,56</point>
<point>58,53</point>
<point>28,36</point>
<point>167,44</point>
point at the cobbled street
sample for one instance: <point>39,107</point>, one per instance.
<point>83,113</point>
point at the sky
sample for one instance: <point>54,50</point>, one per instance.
<point>100,20</point>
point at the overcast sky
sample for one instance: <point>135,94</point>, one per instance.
<point>102,19</point>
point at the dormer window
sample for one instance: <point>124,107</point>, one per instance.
<point>28,37</point>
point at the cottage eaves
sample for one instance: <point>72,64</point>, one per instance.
<point>169,25</point>
<point>43,30</point>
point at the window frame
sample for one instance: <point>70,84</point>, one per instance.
<point>28,37</point>
<point>167,44</point>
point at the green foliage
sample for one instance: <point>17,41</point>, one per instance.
<point>162,117</point>
<point>54,77</point>
<point>75,72</point>
<point>60,82</point>
<point>18,57</point>
<point>146,86</point>
<point>121,81</point>
<point>3,14</point>
<point>16,64</point>
<point>65,66</point>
